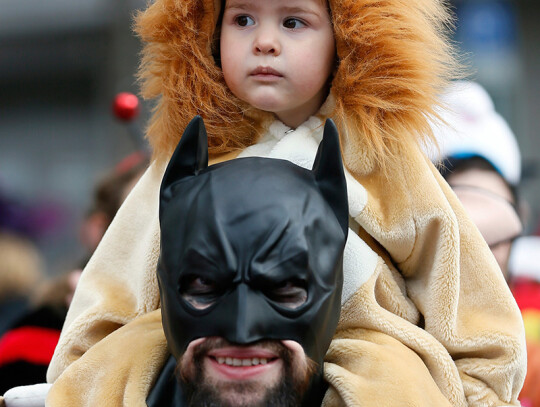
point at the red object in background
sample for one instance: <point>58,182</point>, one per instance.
<point>30,343</point>
<point>126,106</point>
<point>527,293</point>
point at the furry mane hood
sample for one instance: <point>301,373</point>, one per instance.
<point>393,60</point>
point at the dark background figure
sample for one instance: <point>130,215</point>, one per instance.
<point>34,309</point>
<point>21,270</point>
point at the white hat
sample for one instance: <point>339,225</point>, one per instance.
<point>474,128</point>
<point>523,260</point>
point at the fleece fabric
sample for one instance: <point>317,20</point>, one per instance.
<point>444,330</point>
<point>427,318</point>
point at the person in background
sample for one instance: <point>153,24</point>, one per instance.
<point>22,266</point>
<point>27,346</point>
<point>480,158</point>
<point>108,196</point>
<point>21,270</point>
<point>490,201</point>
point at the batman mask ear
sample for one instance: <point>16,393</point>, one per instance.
<point>329,174</point>
<point>189,158</point>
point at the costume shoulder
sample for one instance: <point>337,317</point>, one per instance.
<point>128,360</point>
<point>440,266</point>
<point>119,281</point>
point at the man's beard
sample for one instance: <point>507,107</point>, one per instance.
<point>288,392</point>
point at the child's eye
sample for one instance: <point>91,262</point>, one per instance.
<point>244,21</point>
<point>293,23</point>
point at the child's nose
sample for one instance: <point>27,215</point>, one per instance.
<point>267,42</point>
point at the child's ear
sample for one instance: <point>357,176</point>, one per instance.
<point>330,176</point>
<point>189,158</point>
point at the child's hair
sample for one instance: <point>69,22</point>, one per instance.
<point>393,60</point>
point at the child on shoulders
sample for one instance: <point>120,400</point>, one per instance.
<point>426,317</point>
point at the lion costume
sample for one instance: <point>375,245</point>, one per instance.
<point>426,319</point>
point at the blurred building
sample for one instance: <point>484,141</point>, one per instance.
<point>62,62</point>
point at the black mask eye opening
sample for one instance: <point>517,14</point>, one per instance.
<point>291,294</point>
<point>200,292</point>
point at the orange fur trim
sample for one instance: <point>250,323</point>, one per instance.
<point>178,69</point>
<point>394,60</point>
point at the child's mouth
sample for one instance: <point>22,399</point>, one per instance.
<point>266,72</point>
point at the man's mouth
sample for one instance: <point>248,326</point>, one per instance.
<point>237,362</point>
<point>242,364</point>
<point>241,369</point>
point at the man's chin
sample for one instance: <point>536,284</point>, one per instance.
<point>245,394</point>
<point>242,394</point>
<point>242,385</point>
<point>267,374</point>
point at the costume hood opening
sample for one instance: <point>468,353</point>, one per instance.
<point>394,59</point>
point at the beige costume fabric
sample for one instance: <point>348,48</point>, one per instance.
<point>427,318</point>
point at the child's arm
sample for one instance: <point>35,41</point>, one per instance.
<point>119,282</point>
<point>448,308</point>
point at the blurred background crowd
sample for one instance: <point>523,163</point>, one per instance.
<point>68,154</point>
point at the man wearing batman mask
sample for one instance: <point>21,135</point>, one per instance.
<point>250,275</point>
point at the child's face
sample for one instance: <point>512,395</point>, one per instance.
<point>277,55</point>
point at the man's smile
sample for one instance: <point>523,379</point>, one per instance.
<point>242,362</point>
<point>235,363</point>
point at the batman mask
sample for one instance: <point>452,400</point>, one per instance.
<point>252,248</point>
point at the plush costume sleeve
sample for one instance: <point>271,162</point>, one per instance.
<point>444,329</point>
<point>119,282</point>
<point>117,371</point>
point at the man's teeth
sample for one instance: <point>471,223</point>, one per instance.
<point>242,362</point>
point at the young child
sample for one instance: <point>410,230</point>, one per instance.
<point>426,319</point>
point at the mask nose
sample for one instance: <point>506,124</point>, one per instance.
<point>248,321</point>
